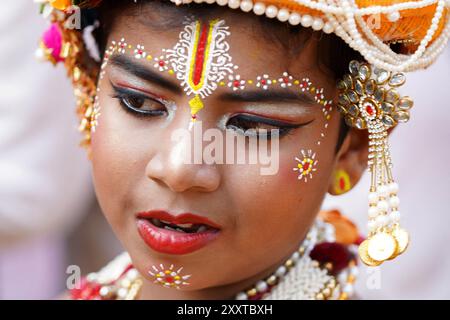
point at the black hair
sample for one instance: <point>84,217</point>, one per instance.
<point>333,58</point>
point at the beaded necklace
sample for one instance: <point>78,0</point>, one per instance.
<point>320,269</point>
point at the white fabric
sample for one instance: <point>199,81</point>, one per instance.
<point>44,176</point>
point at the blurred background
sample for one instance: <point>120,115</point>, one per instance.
<point>49,218</point>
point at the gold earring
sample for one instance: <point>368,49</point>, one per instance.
<point>342,183</point>
<point>368,99</point>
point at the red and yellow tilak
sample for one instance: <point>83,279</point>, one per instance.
<point>199,62</point>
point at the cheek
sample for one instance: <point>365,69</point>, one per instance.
<point>115,161</point>
<point>281,207</point>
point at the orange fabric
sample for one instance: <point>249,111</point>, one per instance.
<point>412,25</point>
<point>346,231</point>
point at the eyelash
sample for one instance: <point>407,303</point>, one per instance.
<point>245,119</point>
<point>125,97</point>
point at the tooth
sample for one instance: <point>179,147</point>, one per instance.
<point>156,222</point>
<point>202,228</point>
<point>185,225</point>
<point>180,230</point>
<point>166,222</point>
<point>169,228</point>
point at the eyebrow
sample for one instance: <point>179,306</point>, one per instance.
<point>272,95</point>
<point>276,95</point>
<point>128,65</point>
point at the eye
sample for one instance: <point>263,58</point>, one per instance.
<point>260,127</point>
<point>139,104</point>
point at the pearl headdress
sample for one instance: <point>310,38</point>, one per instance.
<point>356,23</point>
<point>368,96</point>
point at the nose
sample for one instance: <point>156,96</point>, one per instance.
<point>170,166</point>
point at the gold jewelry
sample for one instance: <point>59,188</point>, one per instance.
<point>342,183</point>
<point>368,99</point>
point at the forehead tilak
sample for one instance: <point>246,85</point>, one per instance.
<point>201,62</point>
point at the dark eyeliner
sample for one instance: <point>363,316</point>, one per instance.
<point>270,122</point>
<point>283,127</point>
<point>122,94</point>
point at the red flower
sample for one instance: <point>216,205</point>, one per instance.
<point>86,291</point>
<point>334,253</point>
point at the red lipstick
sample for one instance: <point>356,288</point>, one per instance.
<point>181,234</point>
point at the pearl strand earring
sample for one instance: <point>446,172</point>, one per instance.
<point>368,99</point>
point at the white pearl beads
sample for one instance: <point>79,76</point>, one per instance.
<point>259,8</point>
<point>281,271</point>
<point>383,206</point>
<point>307,21</point>
<point>383,191</point>
<point>317,24</point>
<point>373,212</point>
<point>241,296</point>
<point>395,216</point>
<point>271,11</point>
<point>347,22</point>
<point>283,15</point>
<point>394,16</point>
<point>373,198</point>
<point>394,202</point>
<point>234,4</point>
<point>261,286</point>
<point>393,187</point>
<point>294,19</point>
<point>246,6</point>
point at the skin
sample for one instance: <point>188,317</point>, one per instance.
<point>263,218</point>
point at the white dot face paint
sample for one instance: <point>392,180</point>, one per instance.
<point>306,165</point>
<point>201,62</point>
<point>169,277</point>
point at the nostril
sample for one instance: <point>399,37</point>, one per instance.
<point>179,174</point>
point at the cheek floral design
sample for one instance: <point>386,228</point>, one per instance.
<point>324,266</point>
<point>168,277</point>
<point>306,165</point>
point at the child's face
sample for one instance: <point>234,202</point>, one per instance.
<point>260,219</point>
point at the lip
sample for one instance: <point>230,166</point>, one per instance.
<point>174,242</point>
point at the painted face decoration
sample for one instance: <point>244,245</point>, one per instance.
<point>306,165</point>
<point>169,277</point>
<point>201,60</point>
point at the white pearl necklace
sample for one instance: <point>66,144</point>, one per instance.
<point>344,18</point>
<point>301,278</point>
<point>298,278</point>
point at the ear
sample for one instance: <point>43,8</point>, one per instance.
<point>351,162</point>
